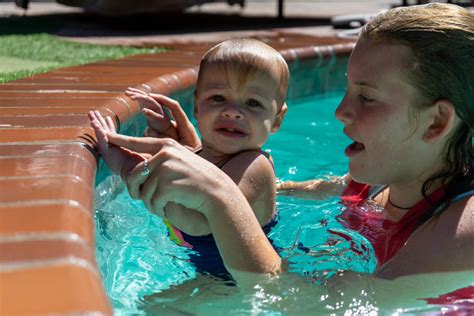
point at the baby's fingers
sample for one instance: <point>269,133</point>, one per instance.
<point>101,119</point>
<point>157,121</point>
<point>147,102</point>
<point>110,124</point>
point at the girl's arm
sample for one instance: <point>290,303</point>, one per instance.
<point>187,220</point>
<point>253,174</point>
<point>317,189</point>
<point>179,176</point>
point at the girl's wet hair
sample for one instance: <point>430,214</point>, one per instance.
<point>441,37</point>
<point>248,56</point>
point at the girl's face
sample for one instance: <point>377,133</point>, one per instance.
<point>378,113</point>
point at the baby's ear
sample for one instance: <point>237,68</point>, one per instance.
<point>442,120</point>
<point>279,118</point>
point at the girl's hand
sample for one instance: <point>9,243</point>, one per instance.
<point>175,174</point>
<point>146,145</point>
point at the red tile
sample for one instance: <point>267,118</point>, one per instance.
<point>53,94</point>
<point>37,166</point>
<point>35,121</point>
<point>55,289</point>
<point>73,87</point>
<point>50,110</point>
<point>63,217</point>
<point>60,150</point>
<point>43,134</point>
<point>45,101</point>
<point>67,188</point>
<point>15,251</point>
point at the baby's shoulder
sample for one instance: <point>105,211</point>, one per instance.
<point>253,158</point>
<point>250,162</point>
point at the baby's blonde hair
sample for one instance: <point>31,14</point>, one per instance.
<point>248,56</point>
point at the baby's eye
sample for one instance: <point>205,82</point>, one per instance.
<point>217,98</point>
<point>254,103</point>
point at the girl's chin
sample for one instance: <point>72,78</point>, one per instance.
<point>361,173</point>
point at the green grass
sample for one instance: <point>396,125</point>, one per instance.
<point>28,54</point>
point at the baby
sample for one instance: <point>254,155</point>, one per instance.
<point>239,100</point>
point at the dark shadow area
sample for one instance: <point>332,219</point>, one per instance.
<point>86,24</point>
<point>15,25</point>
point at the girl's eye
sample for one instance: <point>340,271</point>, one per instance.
<point>254,103</point>
<point>365,99</point>
<point>217,98</point>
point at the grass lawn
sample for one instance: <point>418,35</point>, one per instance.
<point>25,55</point>
<point>27,47</point>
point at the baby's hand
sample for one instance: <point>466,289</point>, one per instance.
<point>160,125</point>
<point>158,122</point>
<point>118,159</point>
<point>102,126</point>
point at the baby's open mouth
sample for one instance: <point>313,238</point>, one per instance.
<point>231,132</point>
<point>354,149</point>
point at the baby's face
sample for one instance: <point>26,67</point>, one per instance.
<point>236,112</point>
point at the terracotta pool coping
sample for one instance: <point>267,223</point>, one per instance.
<point>48,167</point>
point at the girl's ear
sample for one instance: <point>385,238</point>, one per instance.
<point>443,117</point>
<point>279,118</point>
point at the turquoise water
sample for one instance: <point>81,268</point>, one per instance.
<point>146,273</point>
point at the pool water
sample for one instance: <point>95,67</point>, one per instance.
<point>137,259</point>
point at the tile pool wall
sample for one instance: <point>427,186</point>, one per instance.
<point>48,165</point>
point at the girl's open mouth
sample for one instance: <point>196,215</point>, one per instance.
<point>354,148</point>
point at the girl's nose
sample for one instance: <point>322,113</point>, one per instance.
<point>344,112</point>
<point>232,111</point>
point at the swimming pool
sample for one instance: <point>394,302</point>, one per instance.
<point>144,272</point>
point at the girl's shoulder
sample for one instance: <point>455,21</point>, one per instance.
<point>443,243</point>
<point>460,206</point>
<point>461,210</point>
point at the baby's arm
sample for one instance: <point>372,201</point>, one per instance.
<point>255,177</point>
<point>317,189</point>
